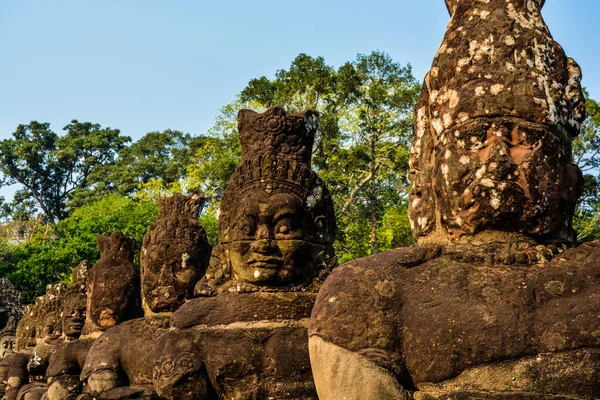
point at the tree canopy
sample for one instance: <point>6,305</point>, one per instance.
<point>51,167</point>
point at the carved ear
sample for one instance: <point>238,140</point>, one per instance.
<point>451,4</point>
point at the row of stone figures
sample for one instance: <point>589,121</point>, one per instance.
<point>496,301</point>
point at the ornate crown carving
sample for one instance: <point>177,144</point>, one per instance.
<point>276,151</point>
<point>278,133</point>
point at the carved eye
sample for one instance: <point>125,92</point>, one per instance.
<point>287,228</point>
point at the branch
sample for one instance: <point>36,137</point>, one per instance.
<point>358,187</point>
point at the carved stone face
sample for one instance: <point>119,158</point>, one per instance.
<point>6,345</point>
<point>73,315</point>
<point>269,244</point>
<point>512,171</point>
<point>175,254</point>
<point>112,285</point>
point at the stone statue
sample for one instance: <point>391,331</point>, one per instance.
<point>74,303</point>
<point>48,329</point>
<point>113,293</point>
<point>499,102</point>
<point>175,254</point>
<point>63,371</point>
<point>496,301</point>
<point>174,257</point>
<point>245,336</point>
<point>10,303</point>
<point>7,338</point>
<point>14,368</point>
<point>31,384</point>
<point>113,296</point>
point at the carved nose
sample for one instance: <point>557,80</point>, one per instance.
<point>263,246</point>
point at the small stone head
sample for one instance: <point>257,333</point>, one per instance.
<point>175,254</point>
<point>48,322</point>
<point>277,223</point>
<point>7,338</point>
<point>7,344</point>
<point>74,304</point>
<point>26,332</point>
<point>113,283</point>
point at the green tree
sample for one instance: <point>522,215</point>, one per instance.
<point>51,167</point>
<point>158,158</point>
<point>31,266</point>
<point>383,111</point>
<point>586,150</point>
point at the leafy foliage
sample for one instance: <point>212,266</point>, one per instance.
<point>30,267</point>
<point>50,168</point>
<point>586,149</point>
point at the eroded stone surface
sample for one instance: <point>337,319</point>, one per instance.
<point>111,294</point>
<point>75,302</point>
<point>494,126</point>
<point>124,357</point>
<point>245,337</point>
<point>175,254</point>
<point>174,257</point>
<point>448,325</point>
<point>10,303</point>
<point>113,285</point>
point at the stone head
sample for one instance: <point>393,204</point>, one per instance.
<point>10,304</point>
<point>26,328</point>
<point>175,254</point>
<point>7,338</point>
<point>277,224</point>
<point>48,322</point>
<point>7,344</point>
<point>74,303</point>
<point>113,294</point>
<point>494,129</point>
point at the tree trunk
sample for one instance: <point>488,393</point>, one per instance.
<point>373,196</point>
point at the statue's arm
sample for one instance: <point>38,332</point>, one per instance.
<point>353,335</point>
<point>342,374</point>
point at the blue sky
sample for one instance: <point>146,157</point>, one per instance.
<point>144,65</point>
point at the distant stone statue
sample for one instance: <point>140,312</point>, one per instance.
<point>74,303</point>
<point>7,337</point>
<point>246,336</point>
<point>63,365</point>
<point>48,329</point>
<point>112,297</point>
<point>113,293</point>
<point>174,257</point>
<point>175,254</point>
<point>15,366</point>
<point>10,303</point>
<point>496,301</point>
